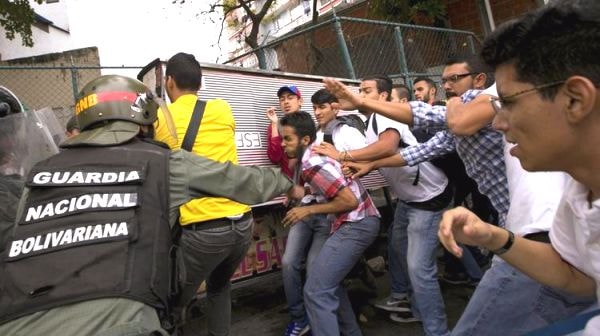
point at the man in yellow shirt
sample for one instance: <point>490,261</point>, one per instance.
<point>216,231</point>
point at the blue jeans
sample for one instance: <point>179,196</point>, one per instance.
<point>325,298</point>
<point>507,302</point>
<point>213,255</point>
<point>304,237</point>
<point>412,255</point>
<point>400,283</point>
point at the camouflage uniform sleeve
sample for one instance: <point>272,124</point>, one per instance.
<point>195,176</point>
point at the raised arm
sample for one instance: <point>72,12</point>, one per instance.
<point>349,100</point>
<point>468,119</point>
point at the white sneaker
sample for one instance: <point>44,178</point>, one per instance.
<point>406,317</point>
<point>392,304</point>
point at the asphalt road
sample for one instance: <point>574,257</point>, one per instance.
<point>260,309</point>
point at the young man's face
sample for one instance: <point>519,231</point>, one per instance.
<point>324,114</point>
<point>423,92</point>
<point>538,127</point>
<point>289,102</point>
<point>291,142</point>
<point>456,80</point>
<point>368,89</point>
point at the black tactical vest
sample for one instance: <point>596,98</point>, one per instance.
<point>95,225</point>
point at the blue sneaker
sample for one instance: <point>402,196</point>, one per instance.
<point>297,328</point>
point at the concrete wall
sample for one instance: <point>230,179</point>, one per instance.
<point>38,88</point>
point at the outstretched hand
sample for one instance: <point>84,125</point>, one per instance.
<point>357,169</point>
<point>462,226</point>
<point>347,100</point>
<point>325,148</point>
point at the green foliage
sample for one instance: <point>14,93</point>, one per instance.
<point>390,10</point>
<point>228,5</point>
<point>428,12</point>
<point>16,17</point>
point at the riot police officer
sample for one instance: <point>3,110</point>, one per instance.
<point>89,251</point>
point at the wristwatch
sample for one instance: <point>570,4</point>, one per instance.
<point>507,245</point>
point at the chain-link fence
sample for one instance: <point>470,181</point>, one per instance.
<point>353,48</point>
<point>52,86</point>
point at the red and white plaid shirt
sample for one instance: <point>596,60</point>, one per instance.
<point>325,178</point>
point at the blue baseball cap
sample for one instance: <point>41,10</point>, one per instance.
<point>293,89</point>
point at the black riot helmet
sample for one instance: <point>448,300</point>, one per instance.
<point>115,97</point>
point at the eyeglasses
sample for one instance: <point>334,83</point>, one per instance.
<point>456,78</point>
<point>504,102</point>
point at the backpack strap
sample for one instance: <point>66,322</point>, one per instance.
<point>402,144</point>
<point>194,126</point>
<point>328,131</point>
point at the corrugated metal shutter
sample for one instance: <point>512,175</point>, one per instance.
<point>250,94</point>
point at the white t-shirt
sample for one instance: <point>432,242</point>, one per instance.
<point>345,138</point>
<point>432,180</point>
<point>575,234</point>
<point>534,197</point>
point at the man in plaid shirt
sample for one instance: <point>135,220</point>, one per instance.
<point>355,225</point>
<point>479,146</point>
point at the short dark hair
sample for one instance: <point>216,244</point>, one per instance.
<point>384,84</point>
<point>185,70</point>
<point>475,65</point>
<point>403,91</point>
<point>302,123</point>
<point>323,96</point>
<point>427,80</point>
<point>555,42</point>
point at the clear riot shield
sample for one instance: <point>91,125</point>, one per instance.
<point>24,140</point>
<point>9,103</point>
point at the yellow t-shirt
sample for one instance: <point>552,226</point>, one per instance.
<point>215,140</point>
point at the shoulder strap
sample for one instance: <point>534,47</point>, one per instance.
<point>194,126</point>
<point>375,123</point>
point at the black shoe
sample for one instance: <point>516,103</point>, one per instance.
<point>455,278</point>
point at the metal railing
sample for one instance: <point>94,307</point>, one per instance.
<point>348,47</point>
<point>52,86</point>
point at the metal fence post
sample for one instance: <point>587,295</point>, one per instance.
<point>402,58</point>
<point>74,81</point>
<point>471,44</point>
<point>344,48</point>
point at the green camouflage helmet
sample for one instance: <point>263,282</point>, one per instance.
<point>114,97</point>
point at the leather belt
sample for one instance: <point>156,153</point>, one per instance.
<point>542,237</point>
<point>217,223</point>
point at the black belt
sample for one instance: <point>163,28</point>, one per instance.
<point>217,223</point>
<point>542,237</point>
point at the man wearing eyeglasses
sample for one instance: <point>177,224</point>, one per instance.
<point>525,302</point>
<point>549,110</point>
